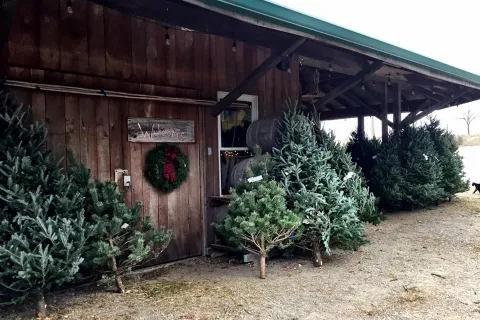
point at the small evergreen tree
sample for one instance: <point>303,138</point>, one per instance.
<point>313,187</point>
<point>42,231</point>
<point>258,220</point>
<point>451,162</point>
<point>121,239</point>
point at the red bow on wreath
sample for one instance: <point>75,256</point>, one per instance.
<point>168,166</point>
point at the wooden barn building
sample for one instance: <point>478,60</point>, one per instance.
<point>87,67</point>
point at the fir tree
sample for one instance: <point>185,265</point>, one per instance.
<point>422,182</point>
<point>407,172</point>
<point>42,231</point>
<point>258,220</point>
<point>353,182</point>
<point>387,175</point>
<point>121,239</point>
<point>451,162</point>
<point>314,188</point>
<point>364,152</point>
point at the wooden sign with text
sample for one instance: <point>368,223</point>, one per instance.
<point>161,130</point>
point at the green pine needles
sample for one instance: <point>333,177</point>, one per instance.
<point>417,167</point>
<point>258,220</point>
<point>54,224</point>
<point>315,174</point>
<point>42,228</point>
<point>121,239</point>
<point>451,163</point>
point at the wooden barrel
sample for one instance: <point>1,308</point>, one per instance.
<point>219,213</point>
<point>264,133</point>
<point>239,172</point>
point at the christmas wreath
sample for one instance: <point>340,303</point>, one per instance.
<point>166,167</point>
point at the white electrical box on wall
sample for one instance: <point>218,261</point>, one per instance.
<point>126,181</point>
<point>122,175</point>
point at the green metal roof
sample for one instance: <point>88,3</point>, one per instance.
<point>293,20</point>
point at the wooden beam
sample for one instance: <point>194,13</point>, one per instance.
<point>357,112</point>
<point>111,93</point>
<point>342,100</point>
<point>397,106</point>
<point>361,104</point>
<point>8,8</point>
<point>428,94</point>
<point>385,113</point>
<point>366,51</point>
<point>363,75</point>
<point>251,79</point>
<point>405,122</point>
<point>440,104</point>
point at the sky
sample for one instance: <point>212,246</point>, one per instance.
<point>446,31</point>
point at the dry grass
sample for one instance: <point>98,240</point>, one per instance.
<point>412,295</point>
<point>469,140</point>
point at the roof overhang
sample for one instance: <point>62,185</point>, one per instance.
<point>418,82</point>
<point>273,16</point>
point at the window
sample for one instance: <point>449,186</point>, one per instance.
<point>233,123</point>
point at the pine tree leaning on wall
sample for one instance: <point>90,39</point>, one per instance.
<point>121,239</point>
<point>42,230</point>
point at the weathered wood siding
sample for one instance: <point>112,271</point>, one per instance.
<point>97,47</point>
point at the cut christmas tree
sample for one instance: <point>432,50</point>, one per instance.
<point>121,239</point>
<point>453,177</point>
<point>353,182</point>
<point>314,188</point>
<point>42,231</point>
<point>258,220</point>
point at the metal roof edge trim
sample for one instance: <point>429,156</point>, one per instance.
<point>288,18</point>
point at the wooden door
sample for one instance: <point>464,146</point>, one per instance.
<point>181,210</point>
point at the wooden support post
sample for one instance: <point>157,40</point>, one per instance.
<point>397,107</point>
<point>263,68</point>
<point>385,113</point>
<point>8,8</point>
<point>363,75</point>
<point>361,126</point>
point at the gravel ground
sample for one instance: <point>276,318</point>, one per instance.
<point>418,265</point>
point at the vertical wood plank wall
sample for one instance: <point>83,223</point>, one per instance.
<point>97,47</point>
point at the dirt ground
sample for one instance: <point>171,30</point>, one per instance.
<point>418,265</point>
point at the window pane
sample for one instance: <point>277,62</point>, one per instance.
<point>228,159</point>
<point>234,124</point>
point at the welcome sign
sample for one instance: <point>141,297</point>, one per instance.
<point>161,130</point>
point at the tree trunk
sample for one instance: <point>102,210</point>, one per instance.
<point>118,278</point>
<point>468,129</point>
<point>263,255</point>
<point>41,305</point>
<point>317,255</point>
